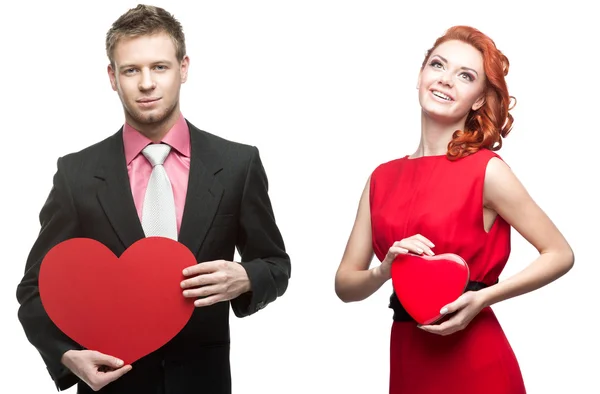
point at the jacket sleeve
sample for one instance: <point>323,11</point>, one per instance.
<point>59,222</point>
<point>260,244</point>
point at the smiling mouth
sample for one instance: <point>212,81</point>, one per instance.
<point>441,95</point>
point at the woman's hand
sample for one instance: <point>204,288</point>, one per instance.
<point>416,244</point>
<point>467,306</point>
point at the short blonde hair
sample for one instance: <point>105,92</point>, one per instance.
<point>145,20</point>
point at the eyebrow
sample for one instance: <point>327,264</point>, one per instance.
<point>131,65</point>
<point>462,68</point>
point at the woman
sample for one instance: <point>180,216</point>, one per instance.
<point>454,195</point>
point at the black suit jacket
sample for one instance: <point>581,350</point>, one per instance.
<point>227,206</point>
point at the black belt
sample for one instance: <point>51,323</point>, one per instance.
<point>400,314</point>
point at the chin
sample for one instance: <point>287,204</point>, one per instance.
<point>442,115</point>
<point>149,117</point>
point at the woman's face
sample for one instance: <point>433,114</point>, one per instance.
<point>452,83</point>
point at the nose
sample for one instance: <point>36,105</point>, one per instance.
<point>446,79</point>
<point>146,81</point>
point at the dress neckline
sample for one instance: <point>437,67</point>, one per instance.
<point>407,157</point>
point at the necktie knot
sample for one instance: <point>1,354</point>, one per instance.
<point>156,153</point>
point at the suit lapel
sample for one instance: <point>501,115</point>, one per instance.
<point>115,195</point>
<point>203,194</point>
<point>202,197</point>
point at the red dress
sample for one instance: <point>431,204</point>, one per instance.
<point>443,201</point>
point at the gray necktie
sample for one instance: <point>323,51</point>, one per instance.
<point>158,213</point>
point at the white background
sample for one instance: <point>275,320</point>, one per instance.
<point>326,90</point>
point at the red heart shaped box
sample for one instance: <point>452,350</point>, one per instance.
<point>424,284</point>
<point>125,307</point>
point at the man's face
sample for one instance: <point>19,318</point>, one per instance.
<point>148,77</point>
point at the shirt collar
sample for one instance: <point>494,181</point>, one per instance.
<point>178,137</point>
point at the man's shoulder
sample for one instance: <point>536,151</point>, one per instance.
<point>89,156</point>
<point>223,146</point>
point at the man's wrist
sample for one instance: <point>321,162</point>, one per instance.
<point>247,286</point>
<point>64,360</point>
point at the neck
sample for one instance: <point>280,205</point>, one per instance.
<point>158,130</point>
<point>435,136</point>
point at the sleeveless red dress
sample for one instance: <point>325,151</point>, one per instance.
<point>443,201</point>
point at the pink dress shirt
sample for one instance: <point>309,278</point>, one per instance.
<point>177,164</point>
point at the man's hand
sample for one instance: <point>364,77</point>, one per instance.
<point>94,368</point>
<point>216,281</point>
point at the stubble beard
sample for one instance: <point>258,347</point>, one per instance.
<point>152,119</point>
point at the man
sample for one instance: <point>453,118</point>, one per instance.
<point>114,192</point>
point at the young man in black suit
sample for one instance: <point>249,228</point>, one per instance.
<point>219,202</point>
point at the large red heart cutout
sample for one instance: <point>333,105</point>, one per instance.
<point>125,307</point>
<point>424,284</point>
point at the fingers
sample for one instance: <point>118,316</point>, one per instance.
<point>104,359</point>
<point>454,306</point>
<point>448,327</point>
<point>113,375</point>
<point>415,246</point>
<point>209,300</point>
<point>423,240</point>
<point>229,281</point>
<point>423,244</point>
<point>204,291</point>
<point>204,280</point>
<point>100,379</point>
<point>422,247</point>
<point>206,267</point>
<point>436,329</point>
<point>464,314</point>
<point>100,369</point>
<point>395,251</point>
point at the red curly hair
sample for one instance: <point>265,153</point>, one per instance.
<point>485,127</point>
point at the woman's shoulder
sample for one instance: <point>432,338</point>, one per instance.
<point>390,165</point>
<point>486,154</point>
